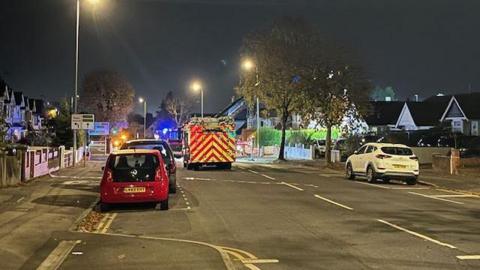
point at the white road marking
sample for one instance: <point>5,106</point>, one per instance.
<point>21,199</point>
<point>373,185</point>
<point>75,177</point>
<point>431,197</point>
<point>468,257</point>
<point>252,171</point>
<point>332,202</point>
<point>58,255</point>
<point>292,186</point>
<point>390,186</point>
<point>410,188</point>
<point>416,234</point>
<point>198,178</point>
<point>266,176</point>
<point>258,261</point>
<point>455,196</point>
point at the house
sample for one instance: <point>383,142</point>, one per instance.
<point>383,116</point>
<point>4,101</point>
<point>421,115</point>
<point>463,113</point>
<point>245,118</point>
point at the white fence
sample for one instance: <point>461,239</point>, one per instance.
<point>291,152</point>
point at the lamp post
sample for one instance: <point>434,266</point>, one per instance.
<point>142,100</point>
<point>248,65</point>
<point>197,86</point>
<point>75,96</point>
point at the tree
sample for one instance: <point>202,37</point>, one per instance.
<point>178,108</point>
<point>382,94</point>
<point>3,131</point>
<point>279,53</point>
<point>108,95</point>
<point>337,91</point>
<point>60,126</point>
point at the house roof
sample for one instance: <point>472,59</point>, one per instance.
<point>25,101</point>
<point>426,113</point>
<point>18,98</point>
<point>384,113</point>
<point>31,103</point>
<point>39,106</point>
<point>237,102</point>
<point>470,104</point>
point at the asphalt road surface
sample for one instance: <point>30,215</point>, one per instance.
<point>254,217</point>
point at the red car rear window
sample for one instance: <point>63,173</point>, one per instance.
<point>134,167</point>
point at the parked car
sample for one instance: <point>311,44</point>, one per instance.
<point>383,161</point>
<point>320,148</point>
<point>134,176</point>
<point>341,145</point>
<point>166,153</point>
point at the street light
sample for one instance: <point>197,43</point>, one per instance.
<point>248,65</point>
<point>75,96</point>
<point>141,100</point>
<point>197,86</point>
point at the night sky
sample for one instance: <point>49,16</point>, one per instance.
<point>418,46</point>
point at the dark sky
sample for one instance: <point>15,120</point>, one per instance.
<point>418,46</point>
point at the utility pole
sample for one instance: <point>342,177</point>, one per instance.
<point>75,97</point>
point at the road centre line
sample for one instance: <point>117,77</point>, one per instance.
<point>292,186</point>
<point>468,257</point>
<point>21,199</point>
<point>252,171</point>
<point>455,196</point>
<point>332,202</point>
<point>435,198</point>
<point>416,234</point>
<point>266,176</point>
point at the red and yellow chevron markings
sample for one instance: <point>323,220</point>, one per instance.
<point>212,147</point>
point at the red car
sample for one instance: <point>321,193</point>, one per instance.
<point>134,176</point>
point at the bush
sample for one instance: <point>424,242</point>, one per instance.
<point>270,136</point>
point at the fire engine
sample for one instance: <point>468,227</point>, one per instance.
<point>209,141</point>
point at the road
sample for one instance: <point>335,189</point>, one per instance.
<point>265,217</point>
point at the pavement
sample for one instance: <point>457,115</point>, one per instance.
<point>256,216</point>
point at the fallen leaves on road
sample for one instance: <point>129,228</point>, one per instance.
<point>90,222</point>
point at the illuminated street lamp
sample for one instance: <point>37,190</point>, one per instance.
<point>248,65</point>
<point>75,96</point>
<point>197,86</point>
<point>141,100</point>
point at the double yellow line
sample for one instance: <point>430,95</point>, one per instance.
<point>105,223</point>
<point>247,258</point>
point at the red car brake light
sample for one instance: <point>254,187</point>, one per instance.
<point>382,156</point>
<point>108,175</point>
<point>158,174</point>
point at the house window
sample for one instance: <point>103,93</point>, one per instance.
<point>457,126</point>
<point>474,128</point>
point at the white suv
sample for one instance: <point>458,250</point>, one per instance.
<point>383,160</point>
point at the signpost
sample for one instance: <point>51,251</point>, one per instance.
<point>85,122</point>
<point>100,129</point>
